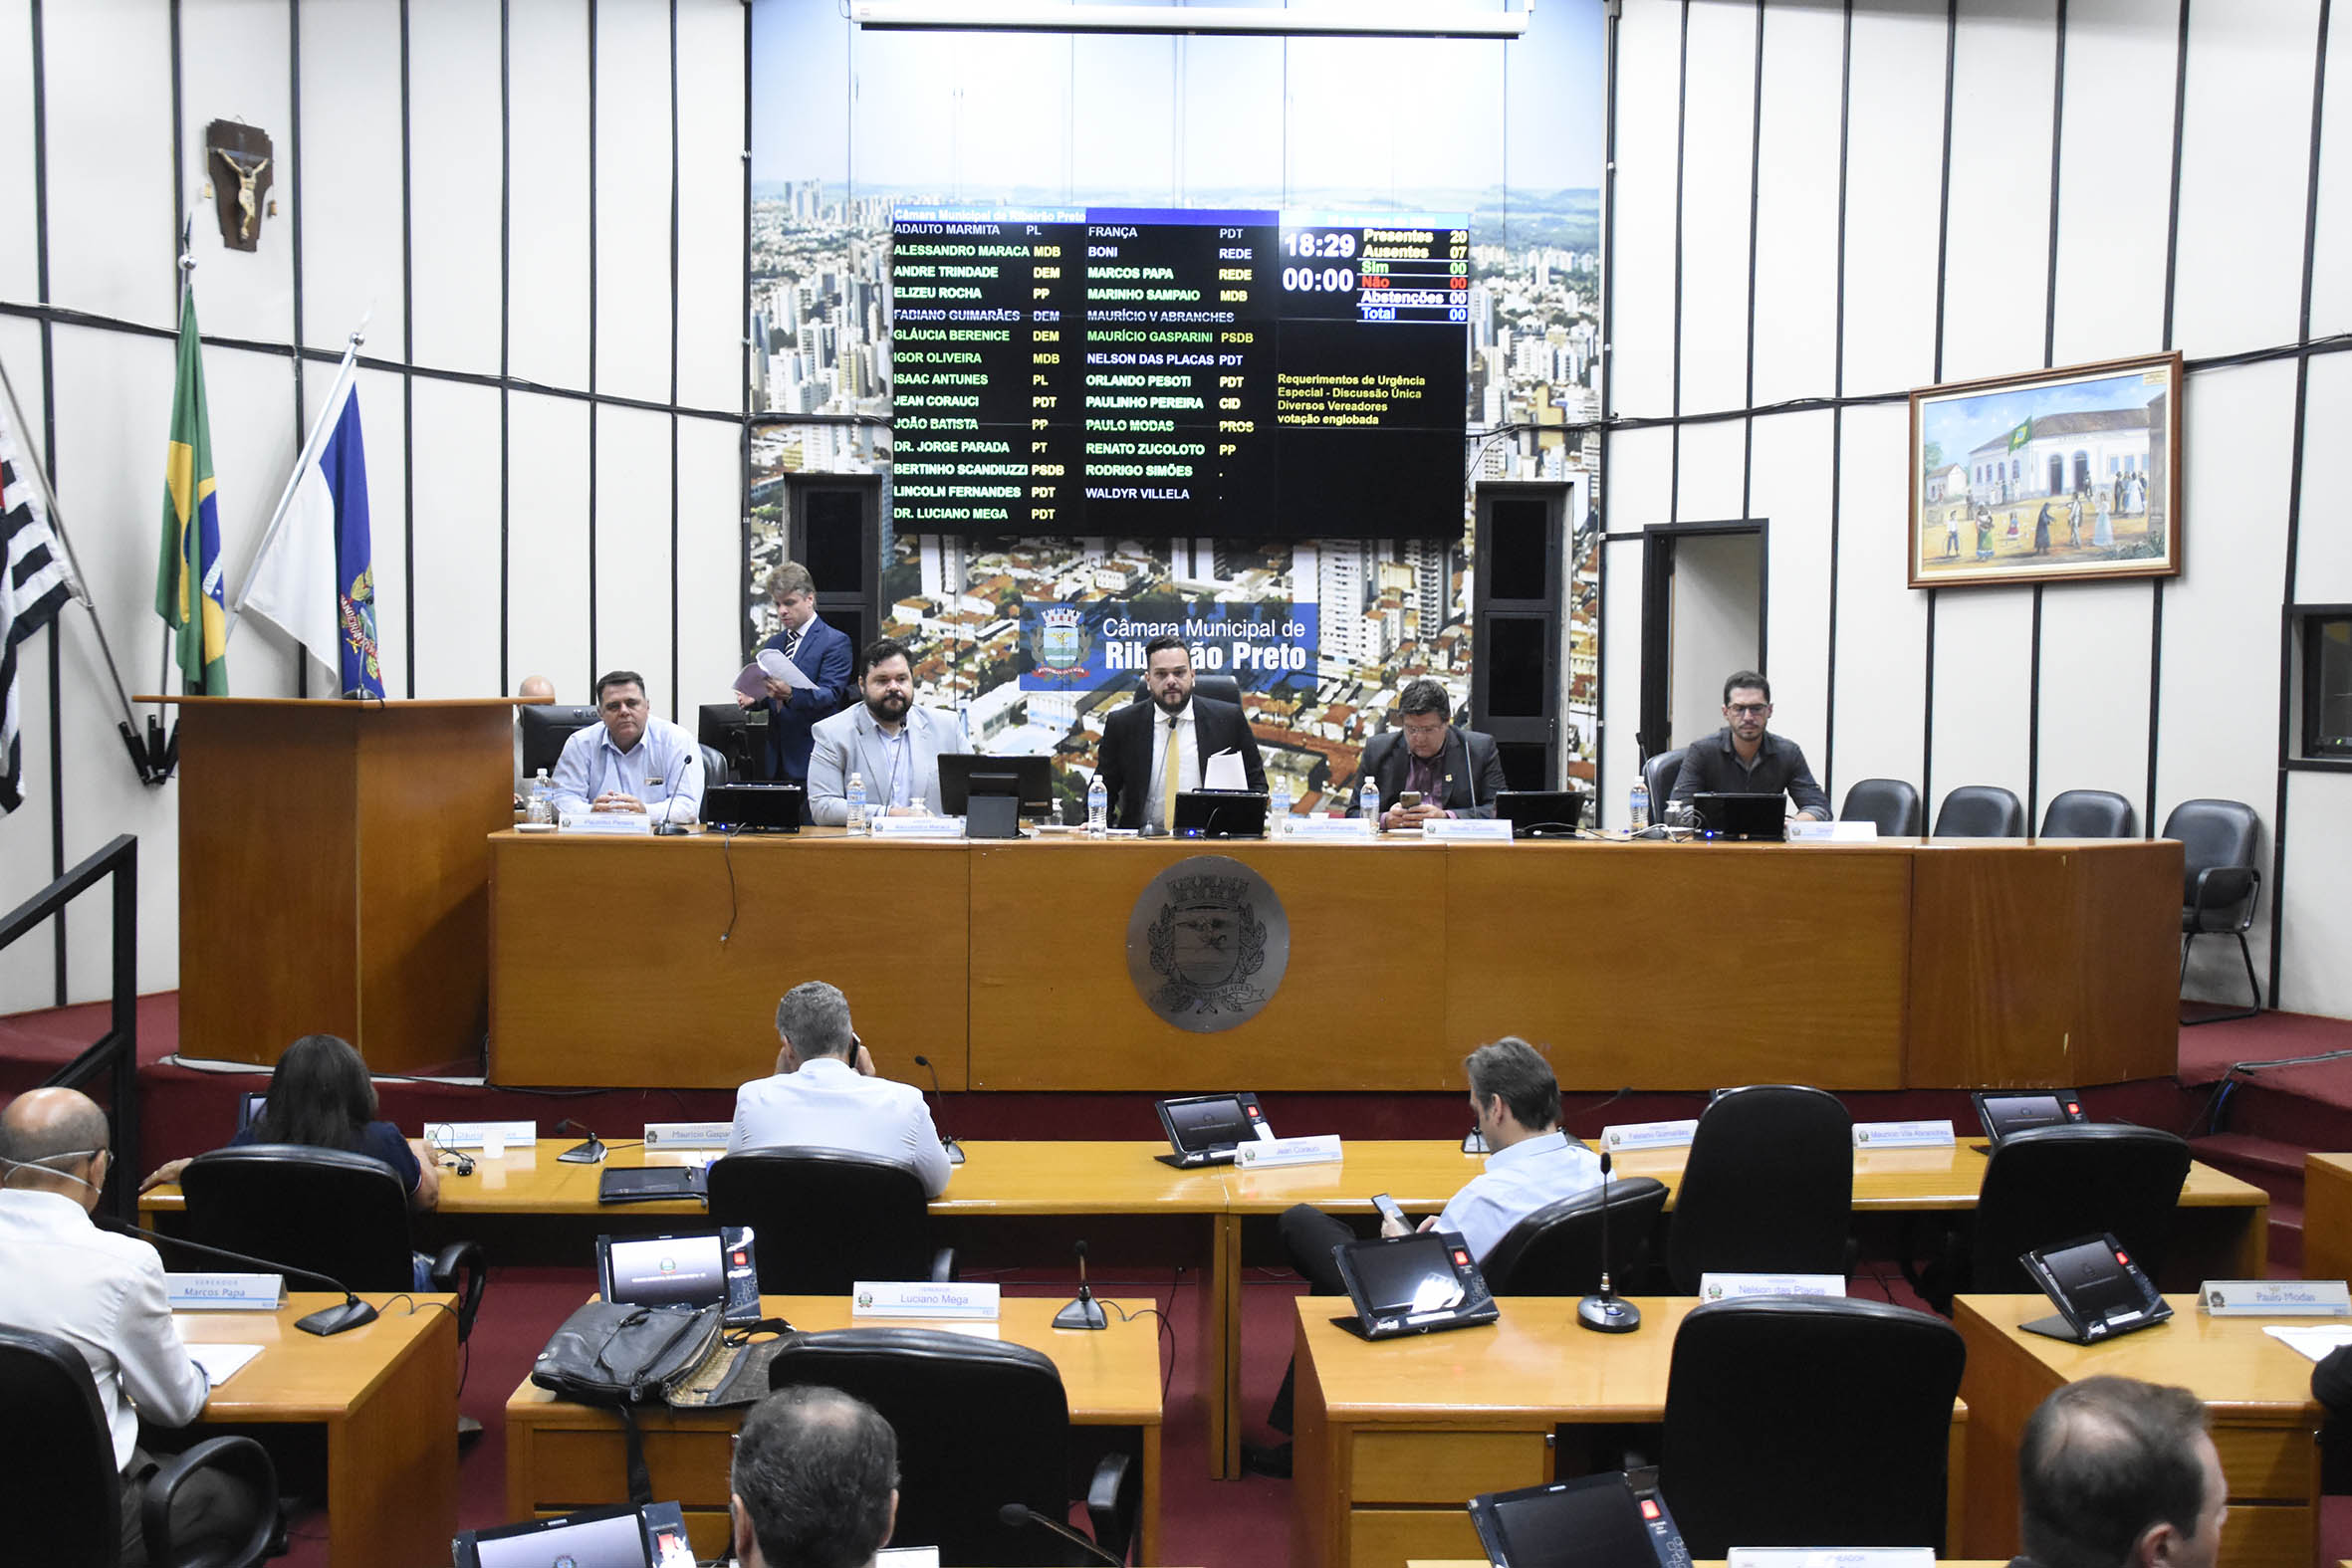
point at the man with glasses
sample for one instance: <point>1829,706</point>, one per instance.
<point>103,1294</point>
<point>1744,759</point>
<point>1456,772</point>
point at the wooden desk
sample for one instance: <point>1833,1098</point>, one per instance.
<point>562,1457</point>
<point>2327,1217</point>
<point>2264,1420</point>
<point>1944,963</point>
<point>1394,1437</point>
<point>385,1395</point>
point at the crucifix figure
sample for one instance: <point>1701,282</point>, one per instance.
<point>243,151</point>
<point>246,172</point>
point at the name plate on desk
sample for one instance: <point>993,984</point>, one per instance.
<point>1321,1149</point>
<point>1831,1557</point>
<point>920,1298</point>
<point>2274,1298</point>
<point>622,825</point>
<point>1650,1135</point>
<point>916,826</point>
<point>1337,829</point>
<point>1470,830</point>
<point>474,1135</point>
<point>687,1135</point>
<point>1732,1287</point>
<point>1812,833</point>
<point>225,1293</point>
<point>1903,1135</point>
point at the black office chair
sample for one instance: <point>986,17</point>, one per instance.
<point>2089,813</point>
<point>1981,812</point>
<point>2056,1185</point>
<point>714,766</point>
<point>1890,803</point>
<point>1220,688</point>
<point>1556,1251</point>
<point>1769,1187</point>
<point>1751,1379</point>
<point>825,1218</point>
<point>60,1484</point>
<point>342,1214</point>
<point>980,1424</point>
<point>1660,773</point>
<point>2221,882</point>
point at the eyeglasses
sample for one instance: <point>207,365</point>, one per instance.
<point>1748,710</point>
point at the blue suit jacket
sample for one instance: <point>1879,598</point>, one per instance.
<point>826,658</point>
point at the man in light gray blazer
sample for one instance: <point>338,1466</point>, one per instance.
<point>892,745</point>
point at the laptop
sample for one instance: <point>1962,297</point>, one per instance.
<point>1755,818</point>
<point>650,1183</point>
<point>1412,1284</point>
<point>1220,813</point>
<point>1542,813</point>
<point>755,808</point>
<point>653,1536</point>
<point>2097,1288</point>
<point>1204,1129</point>
<point>2004,1115</point>
<point>249,1107</point>
<point>697,1270</point>
<point>1614,1520</point>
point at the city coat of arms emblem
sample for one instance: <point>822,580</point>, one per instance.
<point>1208,943</point>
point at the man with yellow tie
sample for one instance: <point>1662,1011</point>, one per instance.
<point>1153,751</point>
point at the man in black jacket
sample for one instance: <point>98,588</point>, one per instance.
<point>1137,741</point>
<point>1457,772</point>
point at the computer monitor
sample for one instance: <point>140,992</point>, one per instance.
<point>653,1536</point>
<point>961,773</point>
<point>1542,813</point>
<point>546,727</point>
<point>1727,814</point>
<point>737,733</point>
<point>1592,1521</point>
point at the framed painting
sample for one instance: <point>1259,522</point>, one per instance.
<point>2053,475</point>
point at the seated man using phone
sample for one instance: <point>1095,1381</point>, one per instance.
<point>1427,768</point>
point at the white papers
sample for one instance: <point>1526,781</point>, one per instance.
<point>222,1362</point>
<point>2311,1340</point>
<point>1225,772</point>
<point>771,665</point>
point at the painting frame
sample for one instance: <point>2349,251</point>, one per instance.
<point>2065,475</point>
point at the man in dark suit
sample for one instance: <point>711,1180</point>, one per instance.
<point>1152,751</point>
<point>1457,772</point>
<point>821,653</point>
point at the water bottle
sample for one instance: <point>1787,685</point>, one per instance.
<point>1369,800</point>
<point>543,800</point>
<point>858,823</point>
<point>1278,809</point>
<point>1638,817</point>
<point>1098,809</point>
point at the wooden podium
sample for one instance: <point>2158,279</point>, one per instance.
<point>335,874</point>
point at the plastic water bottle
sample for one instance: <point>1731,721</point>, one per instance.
<point>1278,809</point>
<point>857,822</point>
<point>1369,800</point>
<point>1098,809</point>
<point>543,800</point>
<point>1638,816</point>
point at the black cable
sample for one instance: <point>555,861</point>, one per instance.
<point>727,853</point>
<point>1167,1330</point>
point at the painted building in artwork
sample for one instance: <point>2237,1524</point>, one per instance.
<point>2061,454</point>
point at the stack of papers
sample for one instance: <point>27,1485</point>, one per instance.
<point>2313,1340</point>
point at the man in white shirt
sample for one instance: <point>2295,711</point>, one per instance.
<point>633,762</point>
<point>815,1480</point>
<point>825,1094</point>
<point>103,1294</point>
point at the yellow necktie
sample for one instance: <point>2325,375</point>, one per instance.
<point>1171,776</point>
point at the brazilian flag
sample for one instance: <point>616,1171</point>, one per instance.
<point>2022,434</point>
<point>188,574</point>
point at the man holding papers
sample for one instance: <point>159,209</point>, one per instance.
<point>890,744</point>
<point>1152,751</point>
<point>103,1294</point>
<point>820,653</point>
<point>633,762</point>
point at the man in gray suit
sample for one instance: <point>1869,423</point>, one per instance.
<point>892,745</point>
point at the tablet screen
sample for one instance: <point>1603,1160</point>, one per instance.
<point>1213,1122</point>
<point>667,1270</point>
<point>2095,1285</point>
<point>1592,1522</point>
<point>2011,1114</point>
<point>1412,1275</point>
<point>617,1542</point>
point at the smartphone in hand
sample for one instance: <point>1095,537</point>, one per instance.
<point>1389,1211</point>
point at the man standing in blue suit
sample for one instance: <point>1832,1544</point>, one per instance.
<point>821,653</point>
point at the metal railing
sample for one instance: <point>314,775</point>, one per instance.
<point>116,1054</point>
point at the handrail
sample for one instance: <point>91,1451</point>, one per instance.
<point>116,1052</point>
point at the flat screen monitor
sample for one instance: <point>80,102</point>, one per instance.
<point>2007,1114</point>
<point>653,1536</point>
<point>737,733</point>
<point>1593,1521</point>
<point>1220,813</point>
<point>546,727</point>
<point>1542,813</point>
<point>1415,1273</point>
<point>1727,815</point>
<point>1210,1123</point>
<point>963,772</point>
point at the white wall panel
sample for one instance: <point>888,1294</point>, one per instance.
<point>1639,476</point>
<point>1719,144</point>
<point>239,293</point>
<point>547,530</point>
<point>1894,168</point>
<point>1984,690</point>
<point>2245,174</point>
<point>549,343</point>
<point>632,202</point>
<point>350,175</point>
<point>457,548</point>
<point>1642,282</point>
<point>711,323</point>
<point>710,560</point>
<point>1712,468</point>
<point>453,115</point>
<point>19,260</point>
<point>1997,269</point>
<point>635,585</point>
<point>1791,491</point>
<point>1796,204</point>
<point>2094,689</point>
<point>2115,177</point>
<point>1881,626</point>
<point>2331,292</point>
<point>2323,545</point>
<point>111,237</point>
<point>2313,977</point>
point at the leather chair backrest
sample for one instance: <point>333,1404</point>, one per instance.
<point>714,766</point>
<point>1769,1187</point>
<point>1981,812</point>
<point>980,1424</point>
<point>1557,1250</point>
<point>2058,1184</point>
<point>1768,1397</point>
<point>2213,833</point>
<point>338,1214</point>
<point>1890,803</point>
<point>823,1219</point>
<point>60,1482</point>
<point>1660,773</point>
<point>2091,814</point>
<point>1217,688</point>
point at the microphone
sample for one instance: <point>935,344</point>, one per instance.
<point>1607,1313</point>
<point>326,1320</point>
<point>1082,1310</point>
<point>955,1149</point>
<point>668,828</point>
<point>589,1153</point>
<point>1014,1515</point>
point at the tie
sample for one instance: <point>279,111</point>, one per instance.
<point>792,644</point>
<point>1171,776</point>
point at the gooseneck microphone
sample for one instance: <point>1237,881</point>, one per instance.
<point>955,1149</point>
<point>589,1153</point>
<point>326,1320</point>
<point>669,826</point>
<point>1082,1310</point>
<point>1014,1515</point>
<point>1606,1312</point>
